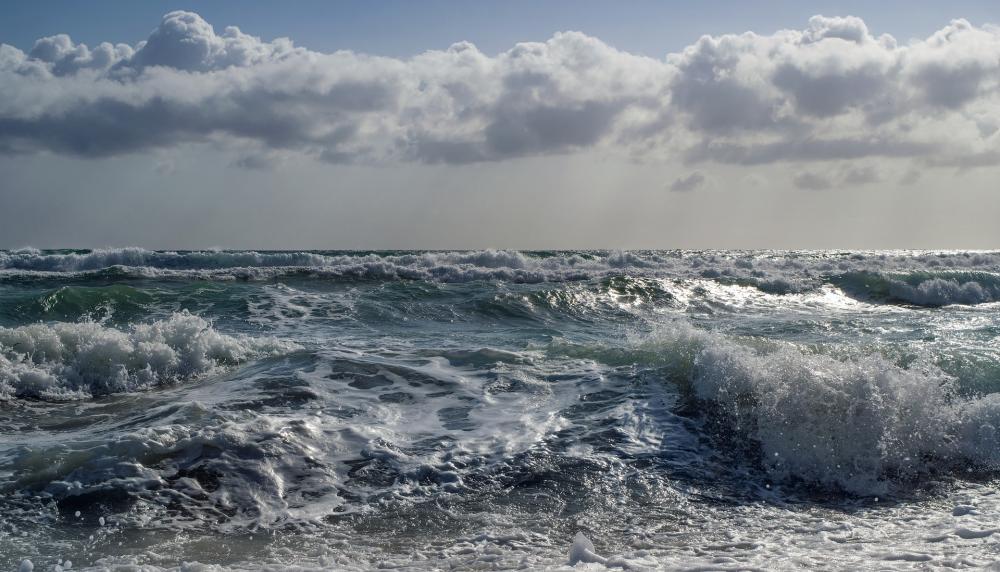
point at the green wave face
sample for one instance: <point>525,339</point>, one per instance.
<point>119,302</point>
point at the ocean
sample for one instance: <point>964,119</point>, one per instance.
<point>489,410</point>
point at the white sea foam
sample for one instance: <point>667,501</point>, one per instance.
<point>858,423</point>
<point>71,360</point>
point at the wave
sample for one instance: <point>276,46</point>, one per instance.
<point>79,360</point>
<point>860,423</point>
<point>857,424</point>
<point>777,272</point>
<point>83,302</point>
<point>434,267</point>
<point>77,261</point>
<point>924,288</point>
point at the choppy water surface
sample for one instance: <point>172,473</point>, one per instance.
<point>478,410</point>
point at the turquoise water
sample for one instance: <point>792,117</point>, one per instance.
<point>427,410</point>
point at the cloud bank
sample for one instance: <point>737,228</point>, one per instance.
<point>832,91</point>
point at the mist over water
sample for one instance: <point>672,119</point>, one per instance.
<point>479,409</point>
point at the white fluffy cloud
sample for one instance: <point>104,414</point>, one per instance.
<point>832,91</point>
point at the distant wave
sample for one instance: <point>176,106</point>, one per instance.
<point>78,360</point>
<point>924,288</point>
<point>925,278</point>
<point>249,265</point>
<point>77,261</point>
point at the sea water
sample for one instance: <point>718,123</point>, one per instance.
<point>654,410</point>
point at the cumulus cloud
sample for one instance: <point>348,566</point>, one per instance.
<point>689,183</point>
<point>185,41</point>
<point>65,57</point>
<point>832,91</point>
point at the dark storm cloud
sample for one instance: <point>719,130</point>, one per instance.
<point>832,91</point>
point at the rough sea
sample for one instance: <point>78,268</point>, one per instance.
<point>488,410</point>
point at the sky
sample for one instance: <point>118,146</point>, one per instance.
<point>554,124</point>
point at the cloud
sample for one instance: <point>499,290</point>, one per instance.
<point>955,66</point>
<point>860,175</point>
<point>910,177</point>
<point>970,160</point>
<point>832,91</point>
<point>185,41</point>
<point>65,57</point>
<point>796,150</point>
<point>850,28</point>
<point>829,93</point>
<point>258,161</point>
<point>812,182</point>
<point>689,183</point>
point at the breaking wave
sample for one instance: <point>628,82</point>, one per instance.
<point>856,423</point>
<point>78,360</point>
<point>924,288</point>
